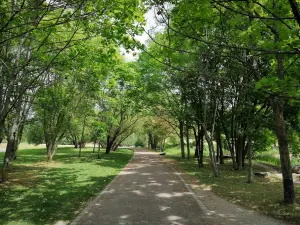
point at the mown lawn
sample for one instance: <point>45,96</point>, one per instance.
<point>41,192</point>
<point>272,157</point>
<point>264,195</point>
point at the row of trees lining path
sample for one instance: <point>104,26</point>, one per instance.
<point>222,71</point>
<point>227,71</point>
<point>62,75</point>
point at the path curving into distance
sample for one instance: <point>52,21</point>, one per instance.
<point>150,192</point>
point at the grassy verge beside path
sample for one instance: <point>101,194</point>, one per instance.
<point>263,195</point>
<point>39,192</point>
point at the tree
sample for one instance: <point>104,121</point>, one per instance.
<point>34,35</point>
<point>254,42</point>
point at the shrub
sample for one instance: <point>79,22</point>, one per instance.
<point>139,143</point>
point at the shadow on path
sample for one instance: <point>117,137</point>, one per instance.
<point>148,191</point>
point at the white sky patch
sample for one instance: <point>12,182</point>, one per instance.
<point>152,27</point>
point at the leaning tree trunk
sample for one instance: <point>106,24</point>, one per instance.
<point>196,142</point>
<point>230,146</point>
<point>287,178</point>
<point>212,155</point>
<point>18,139</point>
<point>278,106</point>
<point>7,158</point>
<point>108,145</point>
<point>10,151</point>
<point>51,148</point>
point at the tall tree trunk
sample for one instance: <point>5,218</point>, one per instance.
<point>181,127</point>
<point>198,145</point>
<point>188,142</point>
<point>278,106</point>
<point>19,138</point>
<point>196,142</point>
<point>82,134</point>
<point>245,150</point>
<point>1,130</point>
<point>240,151</point>
<point>10,149</point>
<point>212,155</point>
<point>108,144</point>
<point>250,167</point>
<point>149,140</point>
<point>201,146</point>
<point>75,141</point>
<point>288,184</point>
<point>94,147</point>
<point>230,146</point>
<point>99,145</point>
<point>219,144</point>
<point>218,151</point>
<point>8,156</point>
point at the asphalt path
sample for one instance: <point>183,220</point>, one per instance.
<point>150,192</point>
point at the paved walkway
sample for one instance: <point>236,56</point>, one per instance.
<point>149,192</point>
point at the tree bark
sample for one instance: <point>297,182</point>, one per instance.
<point>181,128</point>
<point>201,146</point>
<point>250,168</point>
<point>94,147</point>
<point>240,150</point>
<point>288,183</point>
<point>1,130</point>
<point>211,153</point>
<point>278,109</point>
<point>108,144</point>
<point>51,148</point>
<point>10,150</point>
<point>196,142</point>
<point>149,140</point>
<point>219,146</point>
<point>99,145</point>
<point>188,142</point>
<point>82,135</point>
<point>230,146</point>
<point>295,10</point>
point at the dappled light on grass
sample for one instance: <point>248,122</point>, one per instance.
<point>263,195</point>
<point>41,192</point>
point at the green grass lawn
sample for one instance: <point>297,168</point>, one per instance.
<point>41,192</point>
<point>271,157</point>
<point>264,195</point>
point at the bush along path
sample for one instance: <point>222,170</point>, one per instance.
<point>150,191</point>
